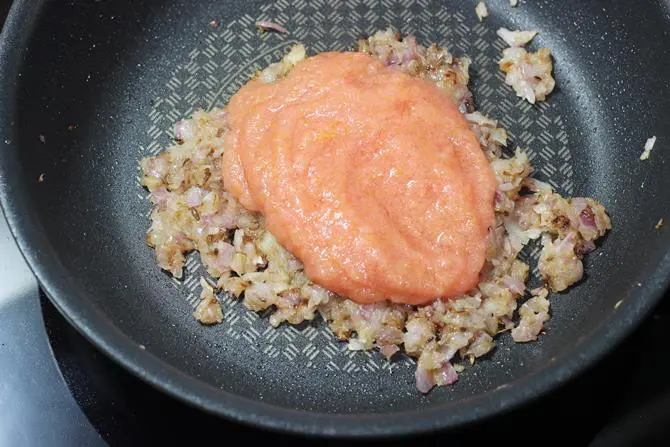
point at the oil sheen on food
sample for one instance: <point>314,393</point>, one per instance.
<point>370,177</point>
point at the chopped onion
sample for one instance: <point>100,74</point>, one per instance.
<point>265,25</point>
<point>587,218</point>
<point>534,313</point>
<point>208,310</point>
<point>193,196</point>
<point>481,11</point>
<point>160,196</point>
<point>515,285</point>
<point>481,119</point>
<point>446,375</point>
<point>259,291</point>
<point>418,331</point>
<point>184,130</point>
<point>292,297</point>
<point>405,54</point>
<point>516,38</point>
<point>388,350</point>
<point>224,256</point>
<point>355,345</point>
<point>157,167</point>
<point>498,198</point>
<point>648,146</point>
<point>528,73</point>
<point>586,247</point>
<point>517,237</point>
<point>424,380</point>
<point>537,186</point>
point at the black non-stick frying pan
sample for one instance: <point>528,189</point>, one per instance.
<point>90,86</point>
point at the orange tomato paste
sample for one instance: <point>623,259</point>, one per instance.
<point>371,177</point>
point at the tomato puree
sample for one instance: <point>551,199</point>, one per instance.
<point>371,177</point>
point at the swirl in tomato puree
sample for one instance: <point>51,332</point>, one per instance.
<point>371,177</point>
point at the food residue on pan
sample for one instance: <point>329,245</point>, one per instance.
<point>42,139</point>
<point>281,191</point>
<point>648,146</point>
<point>659,224</point>
<point>40,179</point>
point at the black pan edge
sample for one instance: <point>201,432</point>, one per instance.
<point>72,302</point>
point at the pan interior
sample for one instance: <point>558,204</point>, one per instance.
<point>121,73</point>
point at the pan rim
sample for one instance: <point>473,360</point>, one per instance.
<point>72,302</point>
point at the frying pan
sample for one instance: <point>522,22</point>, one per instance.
<point>89,87</point>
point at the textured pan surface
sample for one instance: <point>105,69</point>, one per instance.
<point>119,75</point>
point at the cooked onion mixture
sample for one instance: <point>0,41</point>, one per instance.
<point>193,211</point>
<point>529,74</point>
